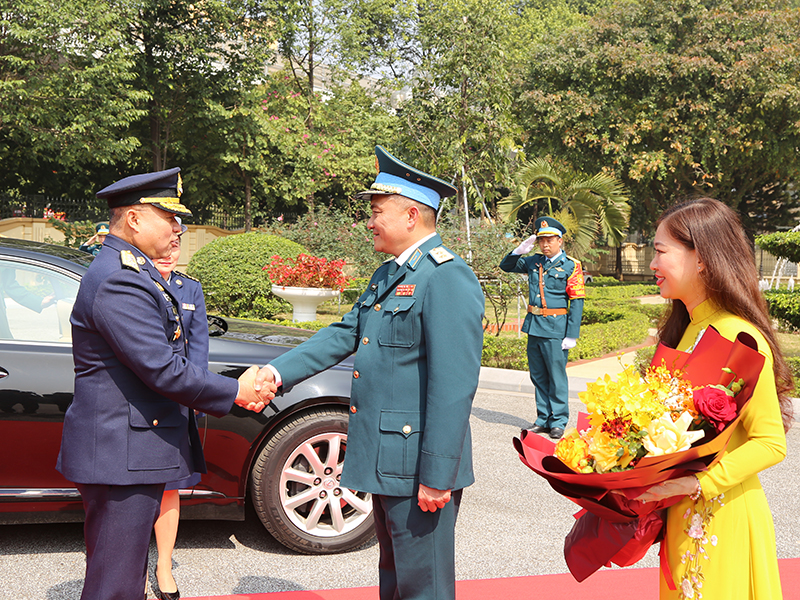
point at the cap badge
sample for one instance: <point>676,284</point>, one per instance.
<point>544,224</point>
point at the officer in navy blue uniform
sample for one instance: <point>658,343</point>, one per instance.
<point>131,427</point>
<point>419,336</point>
<point>556,293</point>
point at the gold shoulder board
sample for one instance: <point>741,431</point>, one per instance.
<point>128,260</point>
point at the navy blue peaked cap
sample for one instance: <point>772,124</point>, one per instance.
<point>162,189</point>
<point>396,177</point>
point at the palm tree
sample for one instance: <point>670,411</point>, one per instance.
<point>587,206</point>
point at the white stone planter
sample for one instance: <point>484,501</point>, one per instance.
<point>304,300</point>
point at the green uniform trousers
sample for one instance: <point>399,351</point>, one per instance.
<point>417,560</point>
<point>547,364</point>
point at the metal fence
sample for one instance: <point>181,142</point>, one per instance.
<point>95,209</point>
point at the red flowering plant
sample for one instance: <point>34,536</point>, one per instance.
<point>307,271</point>
<point>641,431</point>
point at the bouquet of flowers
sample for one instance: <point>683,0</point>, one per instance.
<point>642,430</point>
<point>307,271</point>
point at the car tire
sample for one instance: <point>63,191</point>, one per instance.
<point>295,486</point>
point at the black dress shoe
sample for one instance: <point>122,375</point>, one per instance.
<point>176,595</point>
<point>168,595</point>
<point>556,433</point>
<point>539,429</point>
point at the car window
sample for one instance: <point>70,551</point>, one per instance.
<point>35,303</point>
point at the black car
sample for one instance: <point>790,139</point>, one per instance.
<point>286,461</point>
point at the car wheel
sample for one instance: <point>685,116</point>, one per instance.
<point>295,486</point>
<point>587,278</point>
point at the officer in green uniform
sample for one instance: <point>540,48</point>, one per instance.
<point>95,243</point>
<point>556,293</point>
<point>418,332</point>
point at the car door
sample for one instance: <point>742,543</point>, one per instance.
<point>36,384</point>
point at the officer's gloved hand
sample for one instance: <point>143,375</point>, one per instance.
<point>568,343</point>
<point>525,246</point>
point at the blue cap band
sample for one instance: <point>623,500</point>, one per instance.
<point>420,193</point>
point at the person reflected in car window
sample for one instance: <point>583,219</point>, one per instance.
<point>10,288</point>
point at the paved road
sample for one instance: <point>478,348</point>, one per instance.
<point>511,524</point>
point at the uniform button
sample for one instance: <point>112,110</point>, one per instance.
<point>365,341</point>
<point>406,429</point>
<point>155,422</point>
<point>377,307</point>
<point>356,375</point>
<point>353,409</point>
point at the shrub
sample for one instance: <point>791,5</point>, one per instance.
<point>230,270</point>
<point>604,338</point>
<point>794,365</point>
<point>785,244</point>
<point>785,306</point>
<point>596,340</point>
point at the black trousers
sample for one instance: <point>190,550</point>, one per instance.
<point>119,522</point>
<point>417,549</point>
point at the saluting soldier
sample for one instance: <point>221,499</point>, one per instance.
<point>418,332</point>
<point>131,426</point>
<point>553,322</point>
<point>95,243</point>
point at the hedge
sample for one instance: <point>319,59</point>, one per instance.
<point>784,305</point>
<point>230,270</point>
<point>596,340</point>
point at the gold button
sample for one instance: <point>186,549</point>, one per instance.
<point>406,429</point>
<point>155,422</point>
<point>365,341</point>
<point>353,409</point>
<point>377,307</point>
<point>356,375</point>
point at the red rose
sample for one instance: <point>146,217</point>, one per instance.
<point>716,405</point>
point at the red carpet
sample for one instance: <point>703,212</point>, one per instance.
<point>617,584</point>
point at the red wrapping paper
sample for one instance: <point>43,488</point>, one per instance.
<point>613,527</point>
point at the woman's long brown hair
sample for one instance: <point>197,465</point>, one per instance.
<point>714,231</point>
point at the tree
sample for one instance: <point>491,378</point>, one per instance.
<point>188,54</point>
<point>458,122</point>
<point>681,98</point>
<point>589,206</point>
<point>67,98</point>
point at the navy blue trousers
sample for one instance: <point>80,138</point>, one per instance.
<point>119,521</point>
<point>417,549</point>
<point>547,364</point>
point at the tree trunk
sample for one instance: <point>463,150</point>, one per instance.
<point>618,264</point>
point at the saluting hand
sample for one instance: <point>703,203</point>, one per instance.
<point>525,246</point>
<point>250,398</point>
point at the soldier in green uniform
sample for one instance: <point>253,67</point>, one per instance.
<point>556,293</point>
<point>418,332</point>
<point>95,243</point>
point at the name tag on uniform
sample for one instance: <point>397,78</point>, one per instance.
<point>405,290</point>
<point>187,306</point>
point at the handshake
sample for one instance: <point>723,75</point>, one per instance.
<point>256,389</point>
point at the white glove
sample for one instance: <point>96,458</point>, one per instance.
<point>568,343</point>
<point>525,246</point>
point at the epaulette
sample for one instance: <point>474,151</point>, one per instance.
<point>185,276</point>
<point>128,260</point>
<point>441,255</point>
